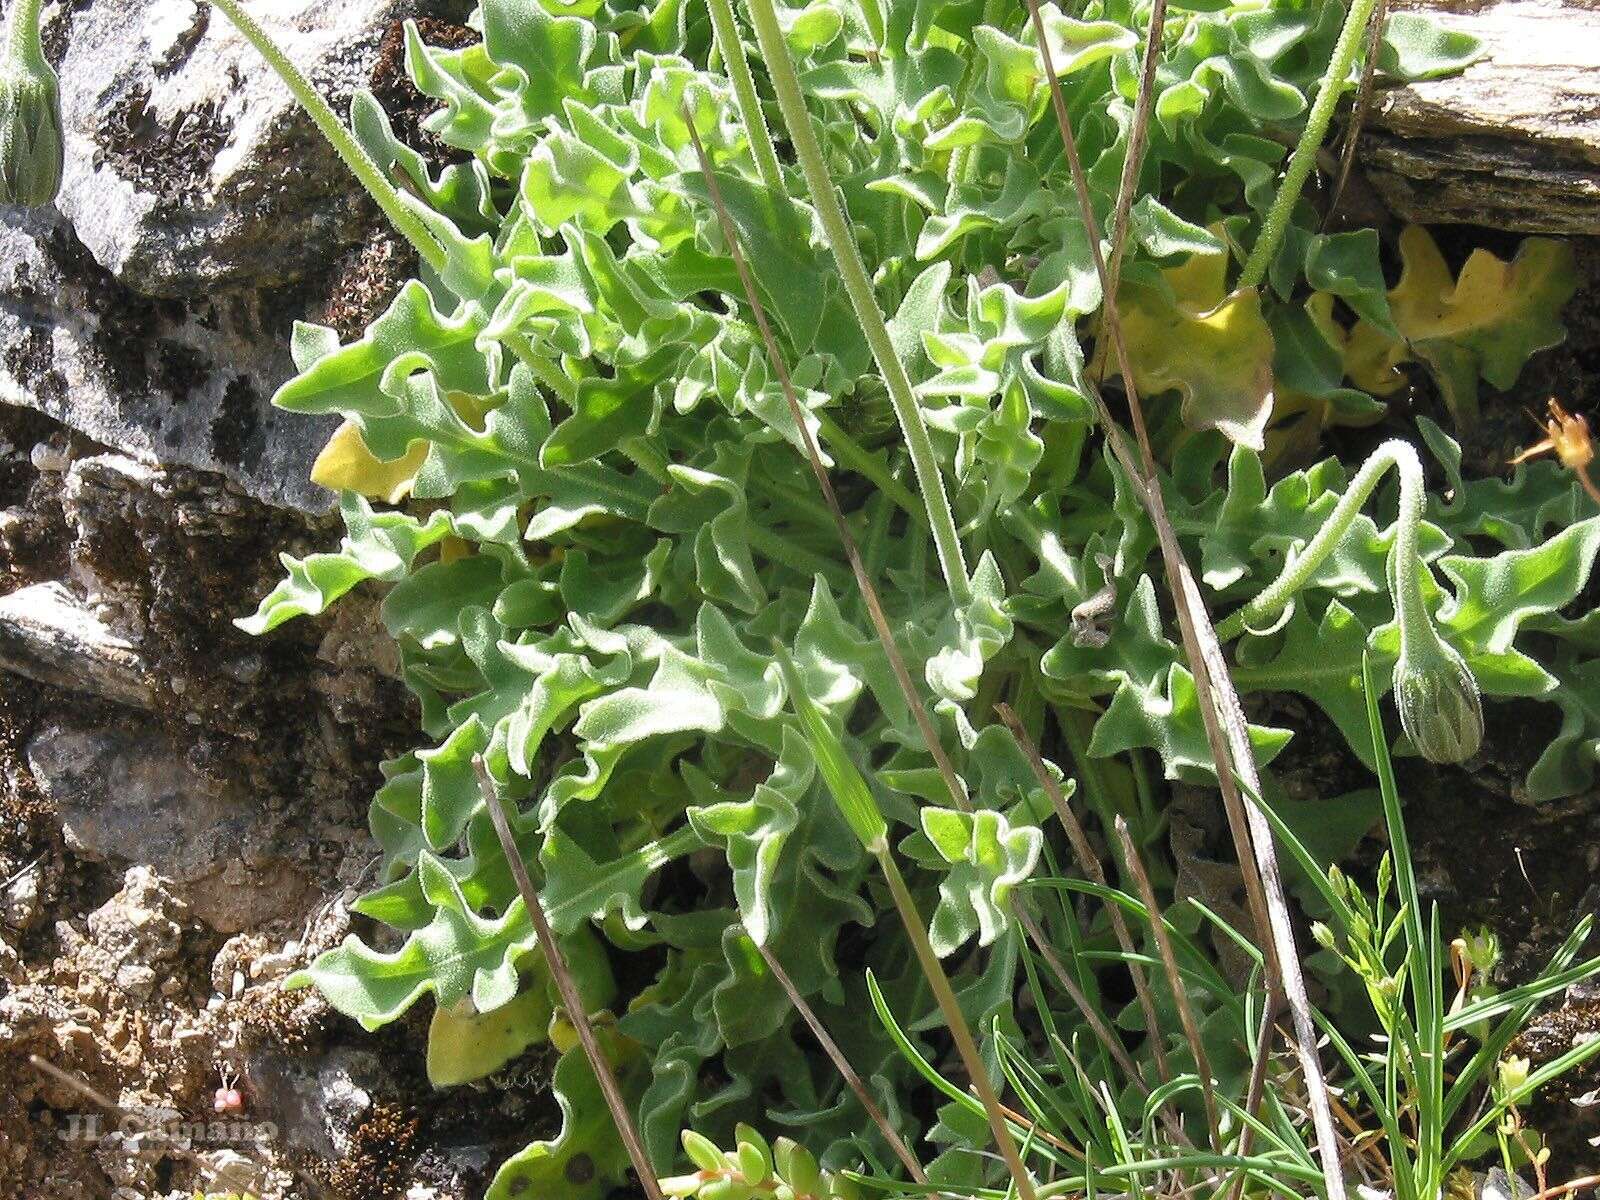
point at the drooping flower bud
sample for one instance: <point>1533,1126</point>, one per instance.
<point>30,114</point>
<point>1437,696</point>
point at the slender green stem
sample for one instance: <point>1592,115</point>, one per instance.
<point>791,103</point>
<point>960,1033</point>
<point>1304,158</point>
<point>340,138</point>
<point>787,552</point>
<point>870,466</point>
<point>744,94</point>
<point>1410,607</point>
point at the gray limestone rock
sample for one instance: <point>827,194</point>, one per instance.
<point>126,791</point>
<point>189,167</point>
<point>200,214</point>
<point>49,635</point>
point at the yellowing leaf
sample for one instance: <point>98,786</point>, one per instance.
<point>1487,322</point>
<point>346,465</point>
<point>1213,347</point>
<point>464,1044</point>
<point>1372,359</point>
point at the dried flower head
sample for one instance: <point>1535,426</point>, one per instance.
<point>1567,437</point>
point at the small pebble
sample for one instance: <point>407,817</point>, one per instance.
<point>46,457</point>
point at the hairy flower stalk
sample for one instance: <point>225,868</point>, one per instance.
<point>1434,688</point>
<point>30,113</point>
<point>744,93</point>
<point>796,118</point>
<point>1334,81</point>
<point>367,172</point>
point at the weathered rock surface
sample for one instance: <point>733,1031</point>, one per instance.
<point>178,137</point>
<point>200,215</point>
<point>125,790</point>
<point>169,382</point>
<point>165,779</point>
<point>1513,142</point>
<point>49,635</point>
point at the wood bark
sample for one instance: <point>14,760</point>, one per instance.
<point>1512,142</point>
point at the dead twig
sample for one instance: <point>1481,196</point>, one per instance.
<point>1089,864</point>
<point>1219,703</point>
<point>842,1065</point>
<point>1180,994</point>
<point>577,1013</point>
<point>1138,137</point>
<point>1358,113</point>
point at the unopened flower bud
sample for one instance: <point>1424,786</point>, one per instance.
<point>30,114</point>
<point>1514,1072</point>
<point>1437,696</point>
<point>1481,948</point>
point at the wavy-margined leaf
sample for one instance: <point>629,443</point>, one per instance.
<point>461,191</point>
<point>1346,265</point>
<point>795,284</point>
<point>1166,718</point>
<point>754,831</point>
<point>1494,596</point>
<point>459,954</point>
<point>711,507</point>
<point>450,792</point>
<point>979,633</point>
<point>1013,91</point>
<point>376,546</point>
<point>1137,654</point>
<point>1568,764</point>
<point>1517,512</point>
<point>1311,396</point>
<point>1192,336</point>
<point>987,859</point>
<point>1254,524</point>
<point>1320,660</point>
<point>1415,47</point>
<point>465,1045</point>
<point>364,377</point>
<point>586,1159</point>
<point>1487,321</point>
<point>1152,695</point>
<point>609,412</point>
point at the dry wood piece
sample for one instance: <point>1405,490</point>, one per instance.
<point>1512,142</point>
